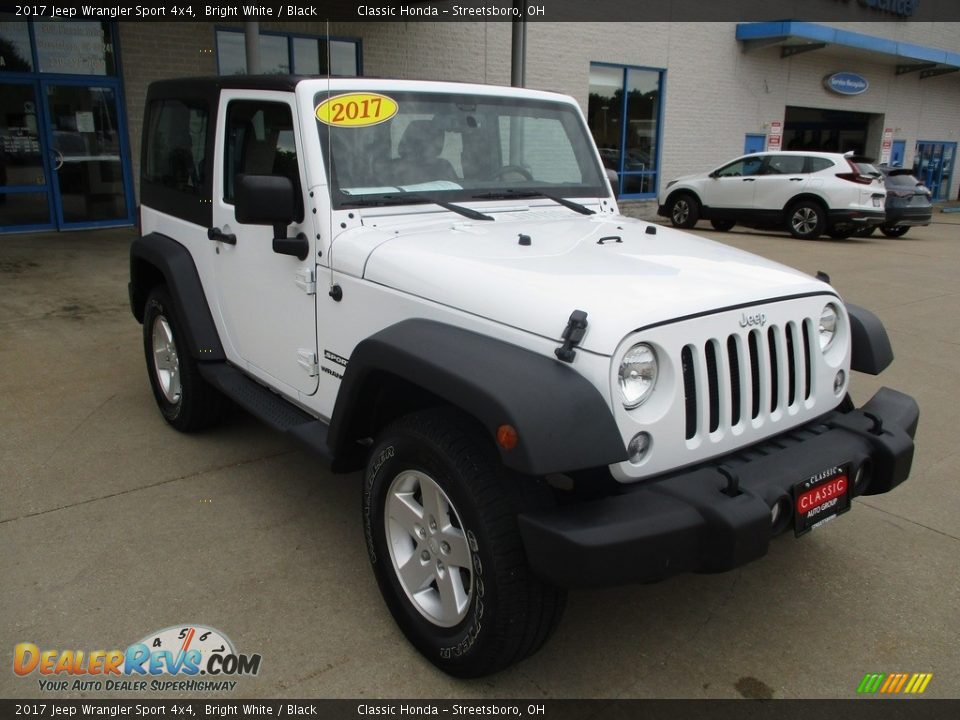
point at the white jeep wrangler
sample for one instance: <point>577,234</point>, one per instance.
<point>432,281</point>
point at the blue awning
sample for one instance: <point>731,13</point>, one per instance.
<point>797,37</point>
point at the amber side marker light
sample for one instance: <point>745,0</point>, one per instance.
<point>507,437</point>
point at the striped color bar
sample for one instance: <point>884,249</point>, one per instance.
<point>894,683</point>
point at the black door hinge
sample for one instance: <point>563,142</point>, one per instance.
<point>572,334</point>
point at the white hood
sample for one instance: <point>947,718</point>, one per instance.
<point>481,268</point>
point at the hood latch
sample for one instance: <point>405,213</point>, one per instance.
<point>572,335</point>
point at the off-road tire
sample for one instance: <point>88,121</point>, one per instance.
<point>198,405</point>
<point>510,612</point>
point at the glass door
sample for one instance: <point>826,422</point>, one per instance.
<point>85,154</point>
<point>25,202</point>
<point>933,165</point>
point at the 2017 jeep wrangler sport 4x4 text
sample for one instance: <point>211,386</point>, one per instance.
<point>432,282</point>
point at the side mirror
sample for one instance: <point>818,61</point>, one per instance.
<point>614,182</point>
<point>270,200</point>
<point>265,200</point>
<point>714,175</point>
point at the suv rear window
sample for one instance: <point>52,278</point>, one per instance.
<point>902,180</point>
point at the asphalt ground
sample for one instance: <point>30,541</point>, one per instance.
<point>113,525</point>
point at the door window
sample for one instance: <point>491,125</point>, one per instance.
<point>260,141</point>
<point>742,168</point>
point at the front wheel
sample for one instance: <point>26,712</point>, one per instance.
<point>895,232</point>
<point>806,220</point>
<point>684,211</point>
<point>440,517</point>
<point>186,400</point>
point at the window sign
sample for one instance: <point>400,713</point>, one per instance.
<point>74,48</point>
<point>14,46</point>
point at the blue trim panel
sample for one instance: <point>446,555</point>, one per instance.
<point>835,36</point>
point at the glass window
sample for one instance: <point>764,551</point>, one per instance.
<point>20,159</point>
<point>15,55</point>
<point>231,53</point>
<point>177,143</point>
<point>75,48</point>
<point>309,54</point>
<point>744,167</point>
<point>260,141</point>
<point>785,164</point>
<point>817,164</point>
<point>623,112</point>
<point>463,147</point>
<point>28,208</point>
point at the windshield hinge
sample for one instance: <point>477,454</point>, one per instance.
<point>572,335</point>
<point>307,359</point>
<point>306,281</point>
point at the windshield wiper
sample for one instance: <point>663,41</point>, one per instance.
<point>386,200</point>
<point>510,194</point>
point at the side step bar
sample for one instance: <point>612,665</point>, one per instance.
<point>268,406</point>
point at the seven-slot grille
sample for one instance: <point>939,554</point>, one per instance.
<point>747,377</point>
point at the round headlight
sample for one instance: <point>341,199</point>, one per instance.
<point>828,325</point>
<point>638,375</point>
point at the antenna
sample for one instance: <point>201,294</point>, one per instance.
<point>329,170</point>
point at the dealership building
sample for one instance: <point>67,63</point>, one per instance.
<point>661,99</point>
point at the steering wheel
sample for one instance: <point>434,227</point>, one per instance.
<point>522,171</point>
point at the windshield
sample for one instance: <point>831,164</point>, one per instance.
<point>453,148</point>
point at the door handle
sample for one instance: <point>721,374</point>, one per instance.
<point>57,159</point>
<point>749,179</point>
<point>795,179</point>
<point>218,235</point>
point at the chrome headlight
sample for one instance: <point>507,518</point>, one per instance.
<point>637,375</point>
<point>827,327</point>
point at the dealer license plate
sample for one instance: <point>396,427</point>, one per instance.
<point>820,498</point>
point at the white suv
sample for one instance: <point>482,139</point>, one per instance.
<point>808,193</point>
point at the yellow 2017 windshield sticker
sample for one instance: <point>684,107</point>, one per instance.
<point>356,109</point>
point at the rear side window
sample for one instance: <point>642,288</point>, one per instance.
<point>785,164</point>
<point>260,141</point>
<point>176,145</point>
<point>818,163</point>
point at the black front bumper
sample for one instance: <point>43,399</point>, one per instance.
<point>693,521</point>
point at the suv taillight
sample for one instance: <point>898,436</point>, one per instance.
<point>855,176</point>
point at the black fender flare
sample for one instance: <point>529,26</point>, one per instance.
<point>562,421</point>
<point>156,255</point>
<point>871,351</point>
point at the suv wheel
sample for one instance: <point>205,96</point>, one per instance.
<point>684,211</point>
<point>186,400</point>
<point>806,219</point>
<point>440,518</point>
<point>722,225</point>
<point>895,232</point>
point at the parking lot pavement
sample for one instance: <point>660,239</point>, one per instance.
<point>113,525</point>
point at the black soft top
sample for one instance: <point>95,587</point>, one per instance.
<point>212,85</point>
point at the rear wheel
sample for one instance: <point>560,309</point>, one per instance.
<point>440,515</point>
<point>684,211</point>
<point>186,400</point>
<point>806,220</point>
<point>895,232</point>
<point>722,225</point>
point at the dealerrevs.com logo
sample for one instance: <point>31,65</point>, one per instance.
<point>190,658</point>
